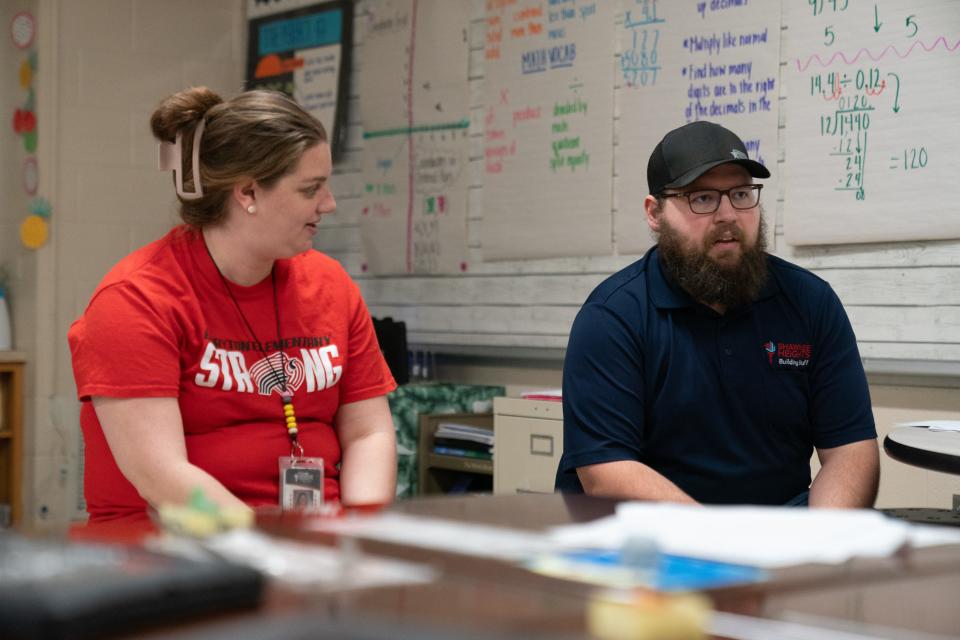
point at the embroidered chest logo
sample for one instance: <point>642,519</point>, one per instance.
<point>788,355</point>
<point>318,368</point>
<point>771,349</point>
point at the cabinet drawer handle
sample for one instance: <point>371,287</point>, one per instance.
<point>541,445</point>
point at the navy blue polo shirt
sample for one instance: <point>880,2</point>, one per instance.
<point>728,407</point>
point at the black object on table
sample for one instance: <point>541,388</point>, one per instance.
<point>925,515</point>
<point>57,589</point>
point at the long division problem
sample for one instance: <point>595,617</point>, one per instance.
<point>867,133</point>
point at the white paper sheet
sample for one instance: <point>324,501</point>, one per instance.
<point>932,535</point>
<point>414,103</point>
<point>414,66</point>
<point>543,394</point>
<point>687,60</point>
<point>871,132</point>
<point>414,217</point>
<point>315,84</point>
<point>766,537</point>
<point>934,425</point>
<point>457,537</point>
<point>298,564</point>
<point>548,129</point>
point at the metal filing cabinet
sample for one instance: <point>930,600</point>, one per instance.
<point>528,441</point>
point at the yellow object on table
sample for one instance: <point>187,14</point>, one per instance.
<point>201,518</point>
<point>641,614</point>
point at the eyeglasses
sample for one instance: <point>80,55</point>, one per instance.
<point>706,201</point>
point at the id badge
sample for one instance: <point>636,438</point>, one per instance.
<point>301,484</point>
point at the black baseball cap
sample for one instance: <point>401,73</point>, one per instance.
<point>688,152</point>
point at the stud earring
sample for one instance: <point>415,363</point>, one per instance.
<point>251,209</point>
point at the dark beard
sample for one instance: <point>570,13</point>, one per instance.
<point>705,280</point>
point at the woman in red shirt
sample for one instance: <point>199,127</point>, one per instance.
<point>207,356</point>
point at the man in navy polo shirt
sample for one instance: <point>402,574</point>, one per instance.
<point>709,370</point>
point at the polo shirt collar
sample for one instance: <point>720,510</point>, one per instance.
<point>667,294</point>
<point>771,287</point>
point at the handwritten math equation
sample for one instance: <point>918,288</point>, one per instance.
<point>640,60</point>
<point>862,90</point>
<point>537,45</point>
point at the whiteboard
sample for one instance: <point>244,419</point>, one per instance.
<point>548,129</point>
<point>903,298</point>
<point>694,62</point>
<point>415,113</point>
<point>870,146</point>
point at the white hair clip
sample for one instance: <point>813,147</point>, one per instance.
<point>171,159</point>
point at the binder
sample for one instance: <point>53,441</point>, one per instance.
<point>392,336</point>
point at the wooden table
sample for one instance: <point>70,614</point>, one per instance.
<point>480,598</point>
<point>916,590</point>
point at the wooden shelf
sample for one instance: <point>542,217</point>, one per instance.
<point>11,425</point>
<point>438,473</point>
<point>459,463</point>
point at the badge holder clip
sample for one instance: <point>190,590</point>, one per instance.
<point>301,482</point>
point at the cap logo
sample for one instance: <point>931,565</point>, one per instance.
<point>739,155</point>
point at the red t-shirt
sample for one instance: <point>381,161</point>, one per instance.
<point>161,324</point>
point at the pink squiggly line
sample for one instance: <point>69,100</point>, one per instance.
<point>839,54</point>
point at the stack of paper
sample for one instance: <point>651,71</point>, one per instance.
<point>759,536</point>
<point>554,395</point>
<point>934,425</point>
<point>463,440</point>
<point>500,543</point>
<point>303,565</point>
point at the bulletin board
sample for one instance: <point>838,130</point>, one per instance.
<point>303,49</point>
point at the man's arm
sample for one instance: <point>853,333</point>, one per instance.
<point>630,480</point>
<point>849,476</point>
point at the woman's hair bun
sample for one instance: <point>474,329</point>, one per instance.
<point>181,110</point>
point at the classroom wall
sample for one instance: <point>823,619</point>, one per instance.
<point>13,198</point>
<point>105,65</point>
<point>25,268</point>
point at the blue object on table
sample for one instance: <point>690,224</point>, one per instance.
<point>673,573</point>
